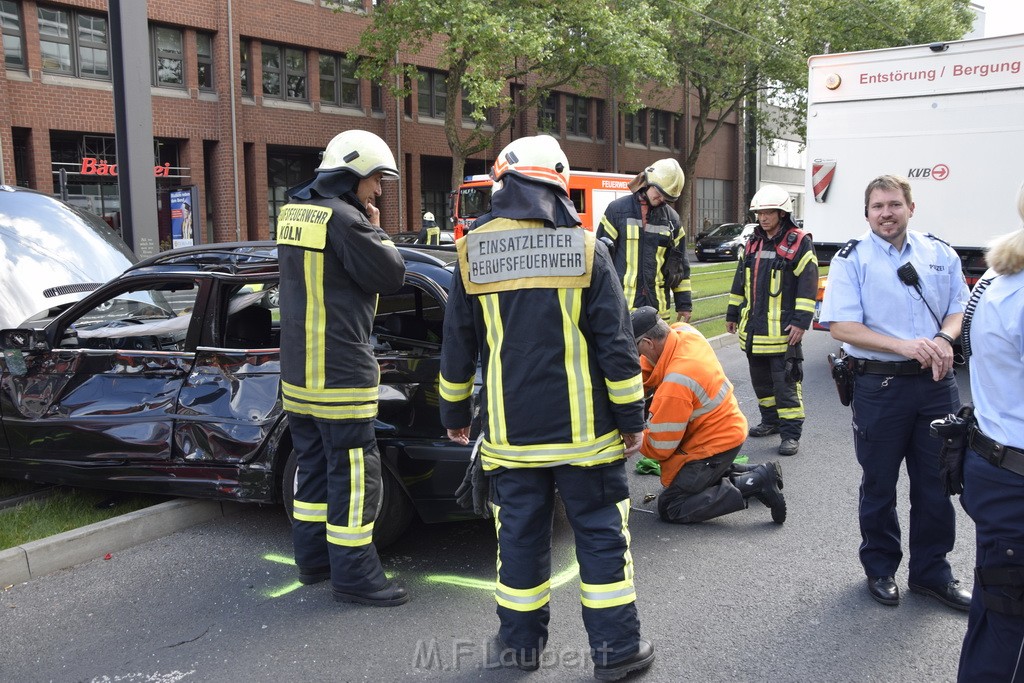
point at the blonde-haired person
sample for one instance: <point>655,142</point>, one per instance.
<point>994,465</point>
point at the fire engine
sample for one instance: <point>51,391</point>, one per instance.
<point>590,192</point>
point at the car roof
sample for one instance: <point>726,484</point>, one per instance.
<point>260,257</point>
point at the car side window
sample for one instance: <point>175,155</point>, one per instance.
<point>153,317</point>
<point>253,317</point>
<point>411,319</point>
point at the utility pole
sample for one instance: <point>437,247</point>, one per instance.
<point>133,121</point>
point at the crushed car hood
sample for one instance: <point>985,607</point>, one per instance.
<point>51,255</point>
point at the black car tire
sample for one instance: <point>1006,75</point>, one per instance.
<point>394,511</point>
<point>700,257</point>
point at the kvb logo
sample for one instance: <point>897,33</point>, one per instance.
<point>936,172</point>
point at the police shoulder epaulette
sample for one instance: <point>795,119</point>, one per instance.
<point>937,239</point>
<point>847,249</point>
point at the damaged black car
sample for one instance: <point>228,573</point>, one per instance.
<point>165,380</point>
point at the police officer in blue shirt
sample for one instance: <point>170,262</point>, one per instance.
<point>895,298</point>
<point>993,477</point>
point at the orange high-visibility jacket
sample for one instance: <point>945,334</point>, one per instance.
<point>694,414</point>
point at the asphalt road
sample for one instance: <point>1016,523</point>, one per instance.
<point>734,599</point>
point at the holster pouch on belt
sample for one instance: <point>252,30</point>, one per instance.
<point>842,374</point>
<point>954,431</point>
<point>475,490</point>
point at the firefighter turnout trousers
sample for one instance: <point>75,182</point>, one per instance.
<point>596,502</point>
<point>779,402</point>
<point>339,485</point>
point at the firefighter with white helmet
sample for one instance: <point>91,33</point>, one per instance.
<point>335,260</point>
<point>647,243</point>
<point>430,233</point>
<point>771,305</point>
<point>534,284</point>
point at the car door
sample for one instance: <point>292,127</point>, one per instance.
<point>230,402</point>
<point>103,393</point>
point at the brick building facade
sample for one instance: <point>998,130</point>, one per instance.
<point>246,93</point>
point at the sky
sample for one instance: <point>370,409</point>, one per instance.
<point>1003,16</point>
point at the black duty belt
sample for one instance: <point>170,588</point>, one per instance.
<point>886,367</point>
<point>996,453</point>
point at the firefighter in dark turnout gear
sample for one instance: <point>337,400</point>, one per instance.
<point>536,300</point>
<point>771,305</point>
<point>429,232</point>
<point>335,260</point>
<point>648,245</point>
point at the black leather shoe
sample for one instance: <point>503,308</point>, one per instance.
<point>764,430</point>
<point>883,589</point>
<point>388,596</point>
<point>952,594</point>
<point>500,655</point>
<point>643,658</point>
<point>310,576</point>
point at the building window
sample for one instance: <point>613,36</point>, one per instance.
<point>284,72</point>
<point>74,43</point>
<point>204,60</point>
<point>285,168</point>
<point>635,127</point>
<point>349,4</point>
<point>599,119</point>
<point>168,47</point>
<point>577,115</point>
<point>245,48</point>
<point>787,154</point>
<point>432,94</point>
<point>338,82</point>
<point>10,23</point>
<point>660,123</point>
<point>714,201</point>
<point>547,114</point>
<point>377,97</point>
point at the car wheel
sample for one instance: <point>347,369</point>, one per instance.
<point>394,509</point>
<point>701,257</point>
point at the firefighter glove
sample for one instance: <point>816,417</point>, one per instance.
<point>794,364</point>
<point>475,490</point>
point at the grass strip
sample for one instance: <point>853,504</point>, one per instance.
<point>64,510</point>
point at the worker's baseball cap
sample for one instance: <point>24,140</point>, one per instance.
<point>644,319</point>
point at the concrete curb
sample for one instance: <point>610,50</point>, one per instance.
<point>38,558</point>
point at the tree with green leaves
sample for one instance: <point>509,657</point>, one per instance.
<point>736,54</point>
<point>487,45</point>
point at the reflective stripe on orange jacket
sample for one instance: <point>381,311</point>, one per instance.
<point>694,414</point>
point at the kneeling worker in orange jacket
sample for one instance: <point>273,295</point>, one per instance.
<point>695,427</point>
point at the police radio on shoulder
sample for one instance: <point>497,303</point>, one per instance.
<point>945,336</point>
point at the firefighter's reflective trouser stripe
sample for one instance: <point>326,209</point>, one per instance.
<point>779,401</point>
<point>338,487</point>
<point>596,502</point>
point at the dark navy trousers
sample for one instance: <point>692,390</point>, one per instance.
<point>337,491</point>
<point>891,417</point>
<point>994,498</point>
<point>596,502</point>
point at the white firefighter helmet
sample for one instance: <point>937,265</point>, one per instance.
<point>428,216</point>
<point>772,197</point>
<point>537,158</point>
<point>664,174</point>
<point>359,152</point>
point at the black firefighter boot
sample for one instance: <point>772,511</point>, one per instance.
<point>762,483</point>
<point>738,468</point>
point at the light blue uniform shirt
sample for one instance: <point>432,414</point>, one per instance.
<point>997,360</point>
<point>864,288</point>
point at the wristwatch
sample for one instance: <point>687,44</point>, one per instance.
<point>945,336</point>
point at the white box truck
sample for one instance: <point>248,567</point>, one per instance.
<point>948,116</point>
